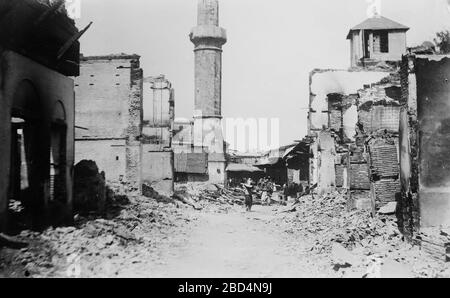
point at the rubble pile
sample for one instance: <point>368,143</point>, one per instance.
<point>129,231</point>
<point>201,196</point>
<point>330,220</point>
<point>89,188</point>
<point>354,240</point>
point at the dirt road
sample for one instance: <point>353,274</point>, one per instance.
<point>144,238</point>
<point>237,244</point>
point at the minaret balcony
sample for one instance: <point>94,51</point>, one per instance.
<point>205,37</point>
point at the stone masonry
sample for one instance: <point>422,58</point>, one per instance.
<point>109,116</point>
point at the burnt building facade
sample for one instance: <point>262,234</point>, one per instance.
<point>109,116</point>
<point>424,143</point>
<point>39,52</point>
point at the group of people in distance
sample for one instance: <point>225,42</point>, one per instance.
<point>266,188</point>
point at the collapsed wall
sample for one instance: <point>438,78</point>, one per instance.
<point>352,107</point>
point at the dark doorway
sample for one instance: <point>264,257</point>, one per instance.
<point>366,35</point>
<point>28,162</point>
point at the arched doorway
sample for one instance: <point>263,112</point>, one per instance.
<point>29,165</point>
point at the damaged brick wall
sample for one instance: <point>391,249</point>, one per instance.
<point>379,108</point>
<point>343,82</point>
<point>383,152</point>
<point>359,176</point>
<point>134,130</point>
<point>109,114</point>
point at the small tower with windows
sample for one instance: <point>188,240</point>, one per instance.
<point>377,39</point>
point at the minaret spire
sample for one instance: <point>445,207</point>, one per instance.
<point>208,39</point>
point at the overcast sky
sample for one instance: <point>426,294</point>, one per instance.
<point>272,46</point>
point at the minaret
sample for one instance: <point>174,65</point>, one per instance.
<point>208,39</point>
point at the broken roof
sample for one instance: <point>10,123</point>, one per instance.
<point>269,161</point>
<point>234,167</point>
<point>40,30</point>
<point>378,23</point>
<point>121,56</point>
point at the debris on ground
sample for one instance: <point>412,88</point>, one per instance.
<point>89,188</point>
<point>355,241</point>
<point>136,231</point>
<point>132,232</point>
<point>211,197</point>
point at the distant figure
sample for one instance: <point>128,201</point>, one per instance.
<point>248,188</point>
<point>270,189</point>
<point>285,194</point>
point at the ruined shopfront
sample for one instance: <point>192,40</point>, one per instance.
<point>38,52</point>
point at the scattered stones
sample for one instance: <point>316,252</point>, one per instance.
<point>141,225</point>
<point>355,241</point>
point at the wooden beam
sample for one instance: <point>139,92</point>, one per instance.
<point>71,41</point>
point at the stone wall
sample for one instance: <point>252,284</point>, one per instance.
<point>109,114</point>
<point>425,139</point>
<point>157,156</point>
<point>109,155</point>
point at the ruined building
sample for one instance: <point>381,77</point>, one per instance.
<point>377,39</point>
<point>208,39</point>
<point>157,152</point>
<point>354,118</point>
<point>109,104</point>
<point>39,51</point>
<point>381,130</point>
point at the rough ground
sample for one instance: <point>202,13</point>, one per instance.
<point>144,238</point>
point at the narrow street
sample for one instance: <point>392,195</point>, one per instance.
<point>238,244</point>
<point>149,239</point>
<point>146,237</point>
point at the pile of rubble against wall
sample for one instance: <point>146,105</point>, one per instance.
<point>356,242</point>
<point>133,231</point>
<point>89,188</point>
